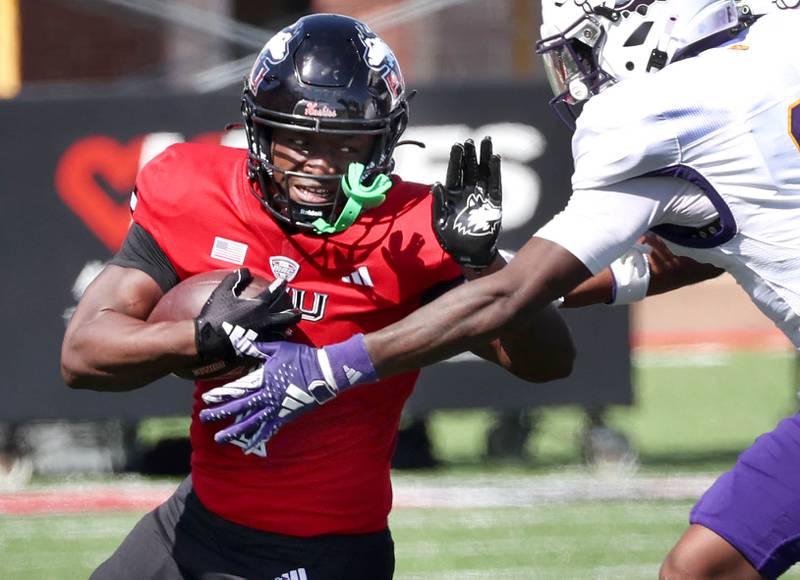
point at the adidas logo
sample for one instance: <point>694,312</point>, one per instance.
<point>352,374</point>
<point>299,574</point>
<point>360,277</point>
<point>319,392</point>
<point>237,332</point>
<point>295,398</point>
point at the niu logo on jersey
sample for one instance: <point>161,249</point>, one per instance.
<point>312,308</point>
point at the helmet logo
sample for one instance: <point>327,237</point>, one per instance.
<point>616,7</point>
<point>379,57</point>
<point>278,46</point>
<point>274,52</point>
<point>584,4</point>
<point>631,5</point>
<point>623,8</point>
<point>283,267</point>
<point>378,52</point>
<point>314,109</point>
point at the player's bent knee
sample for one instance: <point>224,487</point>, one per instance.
<point>682,564</point>
<point>675,566</point>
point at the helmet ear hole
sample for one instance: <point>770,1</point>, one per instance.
<point>582,51</point>
<point>629,65</point>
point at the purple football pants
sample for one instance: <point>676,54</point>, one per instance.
<point>756,505</point>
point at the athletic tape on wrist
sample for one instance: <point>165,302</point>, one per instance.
<point>630,276</point>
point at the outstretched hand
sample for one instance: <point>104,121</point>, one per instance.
<point>467,209</point>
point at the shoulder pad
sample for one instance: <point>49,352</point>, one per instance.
<point>622,133</point>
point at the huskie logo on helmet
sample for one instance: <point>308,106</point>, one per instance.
<point>378,52</point>
<point>588,45</point>
<point>480,217</point>
<point>274,52</point>
<point>380,57</point>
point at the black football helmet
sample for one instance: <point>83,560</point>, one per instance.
<point>323,74</point>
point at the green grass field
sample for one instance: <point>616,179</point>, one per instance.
<point>575,540</point>
<point>692,410</point>
<point>693,414</point>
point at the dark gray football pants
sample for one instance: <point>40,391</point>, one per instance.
<point>181,539</point>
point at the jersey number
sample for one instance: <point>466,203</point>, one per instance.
<point>794,123</point>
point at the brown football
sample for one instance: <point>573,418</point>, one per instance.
<point>184,302</point>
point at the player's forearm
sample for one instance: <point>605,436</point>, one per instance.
<point>667,272</point>
<point>114,352</point>
<point>596,290</point>
<point>541,351</point>
<point>538,351</point>
<point>681,272</point>
<point>475,313</point>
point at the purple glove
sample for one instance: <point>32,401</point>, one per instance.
<point>293,380</point>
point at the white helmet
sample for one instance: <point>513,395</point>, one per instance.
<point>590,44</point>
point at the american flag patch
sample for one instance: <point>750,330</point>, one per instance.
<point>229,251</point>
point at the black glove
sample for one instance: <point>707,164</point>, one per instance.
<point>226,317</point>
<point>467,209</point>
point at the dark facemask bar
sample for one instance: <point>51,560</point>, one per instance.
<point>258,126</point>
<point>310,216</point>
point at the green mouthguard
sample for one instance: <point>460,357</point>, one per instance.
<point>359,197</point>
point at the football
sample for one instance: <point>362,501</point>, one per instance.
<point>184,302</point>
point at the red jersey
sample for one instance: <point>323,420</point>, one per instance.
<point>328,471</point>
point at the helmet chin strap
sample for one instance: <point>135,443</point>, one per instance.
<point>359,197</point>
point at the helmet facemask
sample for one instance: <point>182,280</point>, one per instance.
<point>275,180</point>
<point>589,45</point>
<point>572,65</point>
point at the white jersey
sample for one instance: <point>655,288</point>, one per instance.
<point>725,127</point>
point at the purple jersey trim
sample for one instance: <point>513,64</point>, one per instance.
<point>735,34</point>
<point>686,236</point>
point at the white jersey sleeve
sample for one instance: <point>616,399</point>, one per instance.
<point>623,148</point>
<point>727,121</point>
<point>620,135</point>
<point>599,225</point>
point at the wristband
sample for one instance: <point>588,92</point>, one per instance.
<point>347,363</point>
<point>630,276</point>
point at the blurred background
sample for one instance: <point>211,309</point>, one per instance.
<point>591,476</point>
